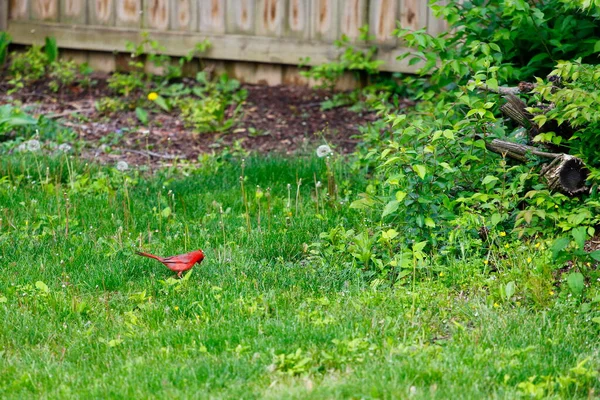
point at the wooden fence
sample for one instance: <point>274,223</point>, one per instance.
<point>272,32</point>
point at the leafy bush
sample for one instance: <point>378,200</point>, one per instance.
<point>435,186</point>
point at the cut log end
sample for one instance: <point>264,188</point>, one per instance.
<point>566,174</point>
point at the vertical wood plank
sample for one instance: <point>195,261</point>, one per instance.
<point>44,10</point>
<point>298,19</point>
<point>101,12</point>
<point>244,72</point>
<point>3,14</point>
<point>240,16</point>
<point>18,9</point>
<point>435,26</point>
<point>129,13</point>
<point>79,56</point>
<point>212,16</point>
<point>354,16</point>
<point>184,15</point>
<point>214,68</point>
<point>156,14</point>
<point>291,76</point>
<point>73,11</point>
<point>324,20</point>
<point>270,17</point>
<point>102,61</point>
<point>382,20</point>
<point>413,14</point>
<point>269,74</point>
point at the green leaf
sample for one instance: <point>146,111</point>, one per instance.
<point>18,121</point>
<point>575,282</point>
<point>400,195</point>
<point>595,255</point>
<point>580,235</point>
<point>390,207</point>
<point>509,290</point>
<point>142,115</point>
<point>559,245</point>
<point>496,218</point>
<point>429,222</point>
<point>389,234</point>
<point>162,103</point>
<point>421,170</point>
<point>597,47</point>
<point>489,179</point>
<point>418,247</point>
<point>166,212</point>
<point>493,84</point>
<point>51,49</point>
<point>42,287</point>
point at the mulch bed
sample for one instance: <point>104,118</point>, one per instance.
<point>281,119</point>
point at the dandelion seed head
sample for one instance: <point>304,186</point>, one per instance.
<point>122,166</point>
<point>324,151</point>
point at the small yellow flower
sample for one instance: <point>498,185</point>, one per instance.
<point>506,246</point>
<point>528,259</point>
<point>502,234</point>
<point>496,305</point>
<point>485,262</point>
<point>588,264</point>
<point>442,274</point>
<point>176,308</point>
<point>556,206</point>
<point>152,96</point>
<point>537,245</point>
<point>551,293</point>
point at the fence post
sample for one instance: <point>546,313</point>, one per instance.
<point>3,15</point>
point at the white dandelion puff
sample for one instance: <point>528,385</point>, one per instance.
<point>65,147</point>
<point>30,145</point>
<point>324,151</point>
<point>122,166</point>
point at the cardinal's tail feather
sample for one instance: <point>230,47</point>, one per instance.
<point>141,253</point>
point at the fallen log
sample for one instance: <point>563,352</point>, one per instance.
<point>565,173</point>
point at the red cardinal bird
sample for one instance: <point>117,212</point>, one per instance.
<point>180,263</point>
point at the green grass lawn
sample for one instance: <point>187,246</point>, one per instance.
<point>263,316</point>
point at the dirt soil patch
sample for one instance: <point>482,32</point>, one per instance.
<point>282,119</point>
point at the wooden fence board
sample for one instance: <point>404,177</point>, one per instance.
<point>185,15</point>
<point>298,19</point>
<point>44,10</point>
<point>382,20</point>
<point>102,61</point>
<point>18,9</point>
<point>79,57</point>
<point>323,20</point>
<point>224,47</point>
<point>269,74</point>
<point>101,12</point>
<point>3,15</point>
<point>413,14</point>
<point>129,13</point>
<point>212,16</point>
<point>73,11</point>
<point>156,14</point>
<point>270,17</point>
<point>241,16</point>
<point>260,31</point>
<point>353,17</point>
